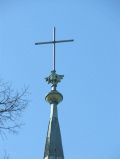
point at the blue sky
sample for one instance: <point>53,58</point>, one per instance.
<point>89,115</point>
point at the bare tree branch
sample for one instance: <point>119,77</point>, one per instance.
<point>12,105</point>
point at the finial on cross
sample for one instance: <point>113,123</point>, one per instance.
<point>54,46</point>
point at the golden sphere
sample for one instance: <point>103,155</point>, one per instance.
<point>54,97</point>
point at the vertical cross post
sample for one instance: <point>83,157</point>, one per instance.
<point>54,58</point>
<point>54,41</point>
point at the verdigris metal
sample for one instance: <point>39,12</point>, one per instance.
<point>53,146</point>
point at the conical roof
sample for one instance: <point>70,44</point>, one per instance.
<point>53,146</point>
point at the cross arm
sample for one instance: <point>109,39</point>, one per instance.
<point>53,42</point>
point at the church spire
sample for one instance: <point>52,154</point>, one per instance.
<point>53,146</point>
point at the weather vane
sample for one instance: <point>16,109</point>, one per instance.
<point>54,41</point>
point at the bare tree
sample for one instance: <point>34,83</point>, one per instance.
<point>12,105</point>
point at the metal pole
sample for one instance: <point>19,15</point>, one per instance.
<point>54,49</point>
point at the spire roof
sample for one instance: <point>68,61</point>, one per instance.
<point>53,146</point>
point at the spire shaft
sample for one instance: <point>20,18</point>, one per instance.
<point>53,146</point>
<point>53,112</point>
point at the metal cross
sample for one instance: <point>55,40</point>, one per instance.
<point>54,45</point>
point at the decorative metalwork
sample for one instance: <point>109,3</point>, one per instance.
<point>54,78</point>
<point>54,97</point>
